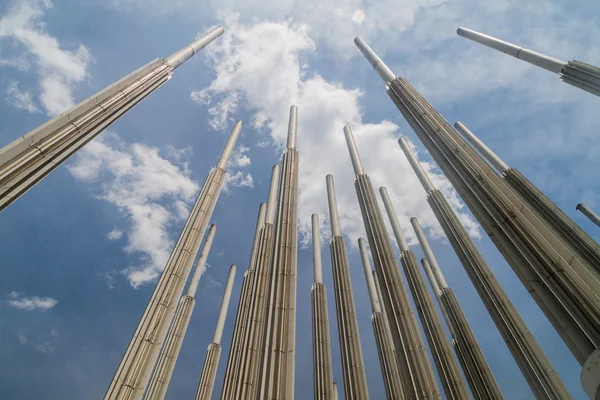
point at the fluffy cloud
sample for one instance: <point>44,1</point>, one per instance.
<point>151,190</point>
<point>267,76</point>
<point>45,345</point>
<point>115,234</point>
<point>20,99</point>
<point>30,303</point>
<point>58,69</point>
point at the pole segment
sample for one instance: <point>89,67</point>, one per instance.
<point>383,337</point>
<point>181,56</point>
<point>585,210</point>
<point>161,377</point>
<point>213,354</point>
<point>439,278</point>
<point>583,246</point>
<point>384,72</point>
<point>322,365</point>
<point>446,365</point>
<point>353,366</point>
<point>133,373</point>
<point>356,163</point>
<point>418,380</point>
<point>30,158</point>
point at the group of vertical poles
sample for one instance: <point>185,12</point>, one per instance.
<point>448,370</point>
<point>477,372</point>
<point>322,363</point>
<point>353,367</point>
<point>161,376</point>
<point>418,380</point>
<point>133,373</point>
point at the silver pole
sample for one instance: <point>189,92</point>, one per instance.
<point>333,211</point>
<point>272,203</point>
<point>481,147</point>
<point>585,210</point>
<point>181,56</point>
<point>316,243</point>
<point>224,306</point>
<point>428,253</point>
<point>292,128</point>
<point>389,208</point>
<point>432,279</point>
<point>533,57</point>
<point>356,164</point>
<point>200,265</point>
<point>414,163</point>
<point>228,149</point>
<point>384,72</point>
<point>369,276</point>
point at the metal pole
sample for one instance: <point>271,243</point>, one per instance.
<point>439,278</point>
<point>31,157</point>
<point>368,276</point>
<point>224,306</point>
<point>481,147</point>
<point>389,209</point>
<point>585,210</point>
<point>201,263</point>
<point>356,164</point>
<point>316,240</point>
<point>333,211</point>
<point>384,72</point>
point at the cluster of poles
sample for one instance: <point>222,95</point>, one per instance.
<point>555,260</point>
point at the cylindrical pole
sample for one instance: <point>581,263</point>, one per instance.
<point>356,164</point>
<point>431,278</point>
<point>481,147</point>
<point>389,208</point>
<point>272,203</point>
<point>589,213</point>
<point>292,127</point>
<point>260,222</point>
<point>316,242</point>
<point>384,72</point>
<point>224,306</point>
<point>533,57</point>
<point>414,163</point>
<point>181,56</point>
<point>200,265</point>
<point>369,276</point>
<point>333,211</point>
<point>441,282</point>
<point>228,149</point>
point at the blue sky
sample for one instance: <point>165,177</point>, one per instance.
<point>80,251</point>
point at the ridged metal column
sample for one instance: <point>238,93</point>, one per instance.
<point>533,363</point>
<point>27,160</point>
<point>381,329</point>
<point>322,366</point>
<point>353,365</point>
<point>585,248</point>
<point>161,377</point>
<point>277,381</point>
<point>135,368</point>
<point>446,365</point>
<point>241,320</point>
<point>418,380</point>
<point>576,73</point>
<point>213,353</point>
<point>244,384</point>
<point>474,365</point>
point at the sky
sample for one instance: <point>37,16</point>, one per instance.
<point>81,251</point>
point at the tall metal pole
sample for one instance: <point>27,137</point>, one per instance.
<point>278,364</point>
<point>585,248</point>
<point>213,353</point>
<point>446,365</point>
<point>418,380</point>
<point>353,365</point>
<point>135,368</point>
<point>161,377</point>
<point>535,366</point>
<point>576,73</point>
<point>585,210</point>
<point>474,365</point>
<point>243,384</point>
<point>28,160</point>
<point>383,337</point>
<point>241,320</point>
<point>322,365</point>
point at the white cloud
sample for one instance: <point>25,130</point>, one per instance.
<point>237,179</point>
<point>269,77</point>
<point>115,234</point>
<point>58,69</point>
<point>149,189</point>
<point>30,303</point>
<point>20,99</point>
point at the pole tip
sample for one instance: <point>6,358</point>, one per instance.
<point>579,206</point>
<point>383,190</point>
<point>232,268</point>
<point>414,220</point>
<point>460,30</point>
